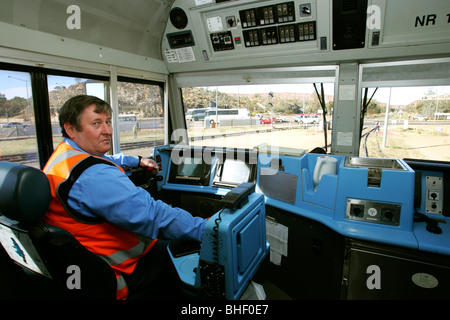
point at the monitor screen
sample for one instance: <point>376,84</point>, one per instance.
<point>235,171</point>
<point>191,170</point>
<point>231,172</point>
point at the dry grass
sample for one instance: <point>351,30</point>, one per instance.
<point>420,142</point>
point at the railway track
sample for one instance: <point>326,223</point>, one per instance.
<point>32,157</point>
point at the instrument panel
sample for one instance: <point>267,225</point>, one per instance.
<point>205,35</point>
<point>364,198</point>
<point>242,29</point>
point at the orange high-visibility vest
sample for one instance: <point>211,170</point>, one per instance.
<point>121,248</point>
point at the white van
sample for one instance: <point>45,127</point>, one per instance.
<point>216,115</point>
<point>307,118</point>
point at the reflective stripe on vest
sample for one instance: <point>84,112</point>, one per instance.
<point>122,290</point>
<point>120,248</point>
<point>121,256</point>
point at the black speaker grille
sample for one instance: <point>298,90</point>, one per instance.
<point>178,18</point>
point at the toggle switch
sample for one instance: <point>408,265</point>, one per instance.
<point>305,10</point>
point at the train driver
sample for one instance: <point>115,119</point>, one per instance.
<point>94,200</point>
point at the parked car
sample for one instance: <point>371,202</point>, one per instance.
<point>267,120</point>
<point>420,117</point>
<point>15,124</point>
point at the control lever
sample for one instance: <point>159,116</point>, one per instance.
<point>153,170</point>
<point>238,196</point>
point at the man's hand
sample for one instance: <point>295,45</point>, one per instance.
<point>149,164</point>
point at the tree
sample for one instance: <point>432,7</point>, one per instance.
<point>16,106</point>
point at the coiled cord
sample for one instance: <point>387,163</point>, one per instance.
<point>216,236</point>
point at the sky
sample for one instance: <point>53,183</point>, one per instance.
<point>15,84</point>
<point>406,95</point>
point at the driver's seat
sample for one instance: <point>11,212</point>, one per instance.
<point>48,254</point>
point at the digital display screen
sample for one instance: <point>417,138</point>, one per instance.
<point>235,171</point>
<point>232,172</point>
<point>190,170</point>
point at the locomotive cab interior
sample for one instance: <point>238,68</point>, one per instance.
<point>317,183</point>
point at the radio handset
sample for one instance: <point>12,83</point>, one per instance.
<point>238,196</point>
<point>212,274</point>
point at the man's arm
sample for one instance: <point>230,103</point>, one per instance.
<point>106,192</point>
<point>126,162</point>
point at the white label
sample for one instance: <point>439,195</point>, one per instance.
<point>347,92</point>
<point>185,54</point>
<point>424,280</point>
<point>22,251</point>
<point>277,236</point>
<point>344,139</point>
<point>171,56</point>
<point>214,24</point>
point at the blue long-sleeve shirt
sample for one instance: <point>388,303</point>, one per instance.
<point>103,191</point>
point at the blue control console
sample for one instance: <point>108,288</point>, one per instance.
<point>370,199</point>
<point>233,247</point>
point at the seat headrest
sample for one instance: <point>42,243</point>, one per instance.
<point>24,192</point>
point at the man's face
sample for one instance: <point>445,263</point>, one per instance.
<point>96,132</point>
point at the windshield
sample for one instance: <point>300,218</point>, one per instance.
<point>258,116</point>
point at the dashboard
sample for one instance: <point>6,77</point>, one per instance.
<point>363,198</point>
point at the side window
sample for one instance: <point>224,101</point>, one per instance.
<point>141,116</point>
<point>407,122</point>
<point>61,89</point>
<point>18,141</point>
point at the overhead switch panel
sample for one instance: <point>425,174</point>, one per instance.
<point>262,16</point>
